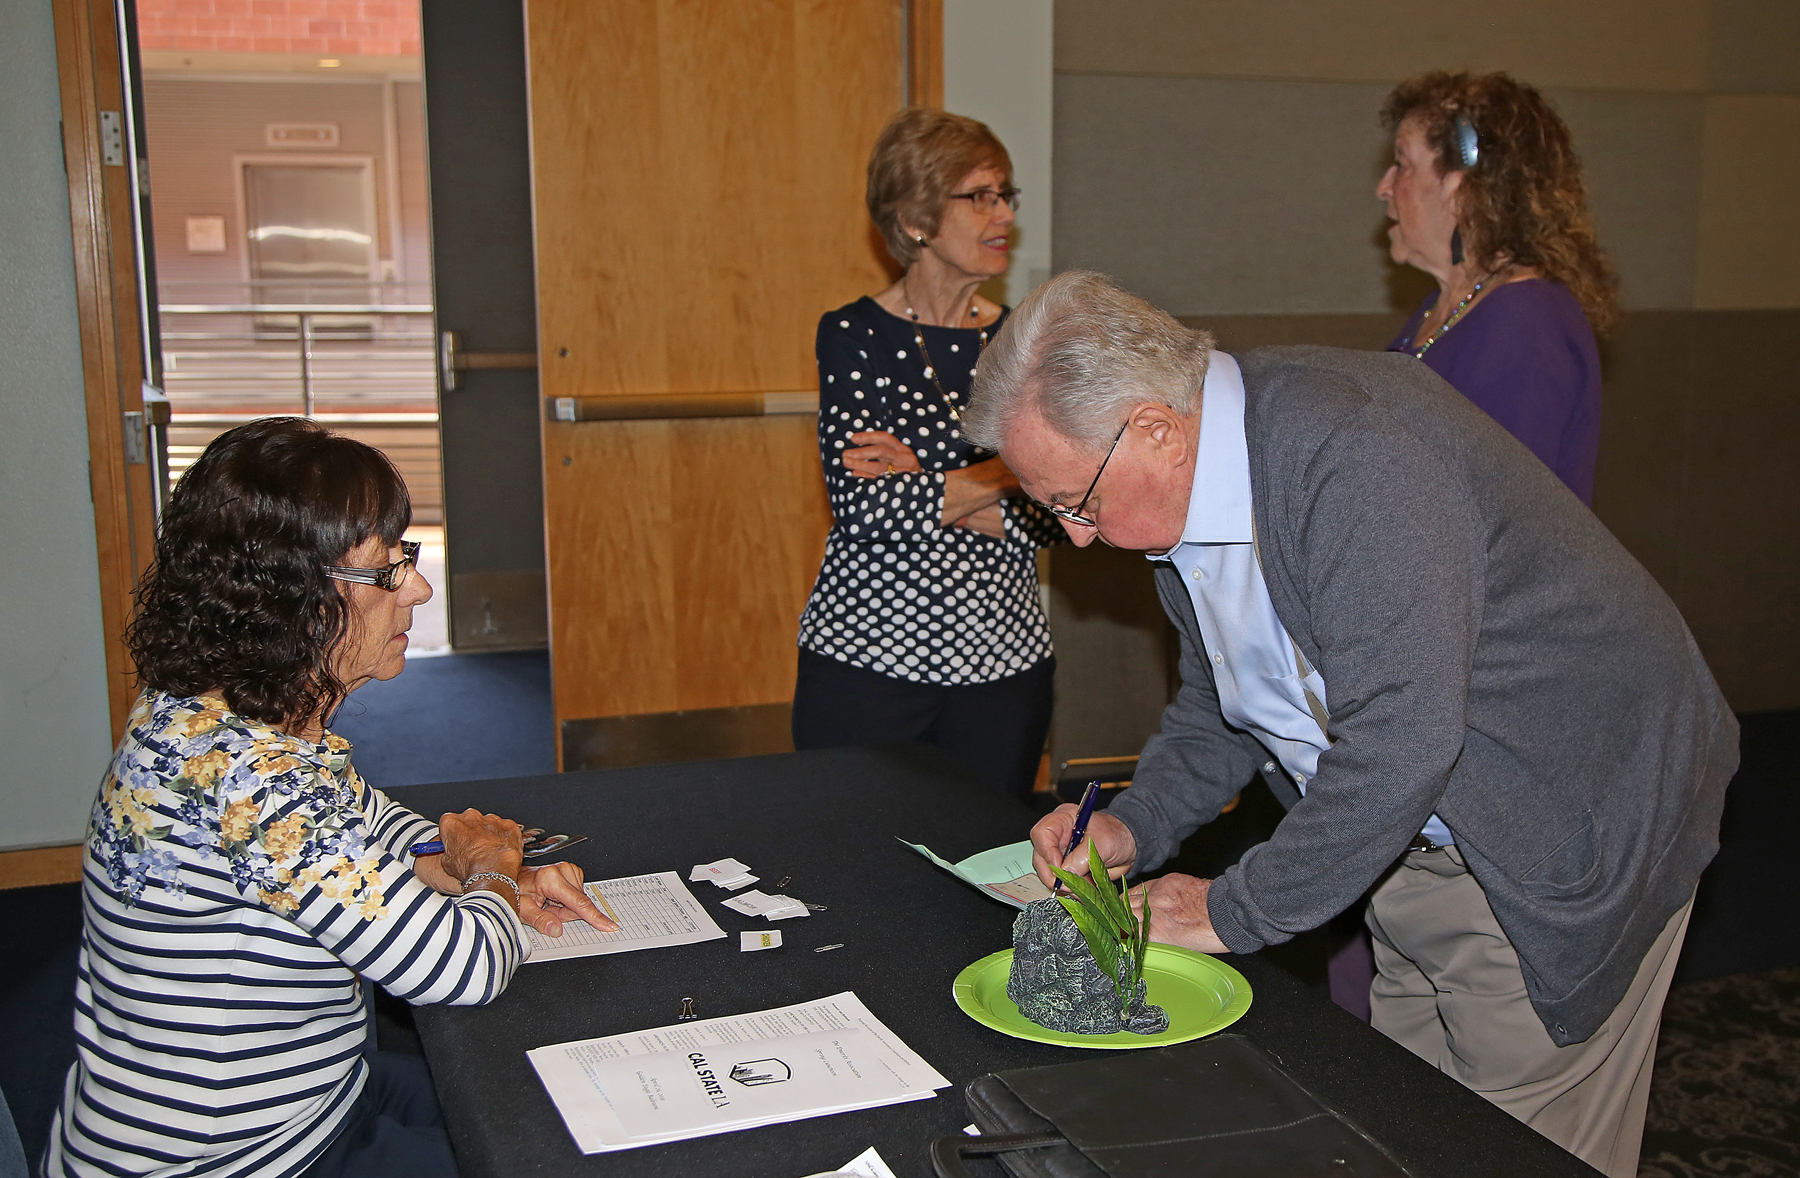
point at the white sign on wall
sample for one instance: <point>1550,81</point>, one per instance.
<point>206,235</point>
<point>301,134</point>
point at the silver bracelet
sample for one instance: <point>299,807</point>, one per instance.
<point>510,881</point>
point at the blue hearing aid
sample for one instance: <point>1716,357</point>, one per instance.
<point>1467,145</point>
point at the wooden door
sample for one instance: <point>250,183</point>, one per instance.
<point>697,175</point>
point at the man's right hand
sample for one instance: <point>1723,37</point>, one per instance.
<point>1113,839</point>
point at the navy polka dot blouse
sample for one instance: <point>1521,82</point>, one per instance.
<point>898,592</point>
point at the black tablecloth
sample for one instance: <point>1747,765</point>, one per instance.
<point>829,820</point>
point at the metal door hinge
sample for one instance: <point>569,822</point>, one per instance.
<point>112,138</point>
<point>137,449</point>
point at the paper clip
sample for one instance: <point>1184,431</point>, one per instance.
<point>814,907</point>
<point>687,1010</point>
<point>785,881</point>
<point>828,948</point>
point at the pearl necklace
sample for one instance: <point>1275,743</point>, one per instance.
<point>930,368</point>
<point>1450,319</point>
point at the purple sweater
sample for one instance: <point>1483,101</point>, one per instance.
<point>1526,356</point>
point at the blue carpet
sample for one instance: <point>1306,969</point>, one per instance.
<point>462,717</point>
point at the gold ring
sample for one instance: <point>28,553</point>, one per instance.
<point>890,468</point>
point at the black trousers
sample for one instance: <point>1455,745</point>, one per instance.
<point>995,729</point>
<point>396,1129</point>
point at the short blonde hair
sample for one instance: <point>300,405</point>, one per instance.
<point>919,158</point>
<point>1083,352</point>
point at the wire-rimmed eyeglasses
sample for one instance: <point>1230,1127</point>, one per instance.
<point>1074,514</point>
<point>389,578</point>
<point>984,199</point>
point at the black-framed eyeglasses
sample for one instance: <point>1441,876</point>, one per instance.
<point>1073,514</point>
<point>984,199</point>
<point>389,578</point>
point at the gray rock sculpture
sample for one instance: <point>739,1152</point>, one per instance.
<point>1056,983</point>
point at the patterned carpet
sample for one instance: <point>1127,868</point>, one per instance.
<point>1726,1095</point>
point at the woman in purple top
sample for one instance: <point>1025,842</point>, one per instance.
<point>1485,195</point>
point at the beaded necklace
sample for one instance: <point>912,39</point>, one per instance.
<point>925,355</point>
<point>1450,319</point>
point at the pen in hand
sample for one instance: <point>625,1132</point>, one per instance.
<point>1088,797</point>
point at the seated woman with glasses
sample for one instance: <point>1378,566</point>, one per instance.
<point>925,622</point>
<point>239,878</point>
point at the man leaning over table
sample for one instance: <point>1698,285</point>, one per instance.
<point>1460,685</point>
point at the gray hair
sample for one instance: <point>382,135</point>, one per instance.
<point>1083,352</point>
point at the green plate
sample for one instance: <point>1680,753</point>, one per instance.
<point>1202,995</point>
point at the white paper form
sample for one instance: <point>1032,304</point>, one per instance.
<point>701,1078</point>
<point>653,911</point>
<point>1002,872</point>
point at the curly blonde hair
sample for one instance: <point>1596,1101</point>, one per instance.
<point>919,158</point>
<point>1523,201</point>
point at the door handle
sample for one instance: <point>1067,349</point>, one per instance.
<point>452,359</point>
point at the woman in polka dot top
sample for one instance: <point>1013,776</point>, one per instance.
<point>925,623</point>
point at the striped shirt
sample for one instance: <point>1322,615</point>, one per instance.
<point>236,882</point>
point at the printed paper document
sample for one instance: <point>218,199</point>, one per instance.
<point>1003,872</point>
<point>653,911</point>
<point>700,1078</point>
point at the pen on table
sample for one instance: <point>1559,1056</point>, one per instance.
<point>1082,816</point>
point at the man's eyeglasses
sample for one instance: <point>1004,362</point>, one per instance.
<point>984,199</point>
<point>1074,514</point>
<point>389,578</point>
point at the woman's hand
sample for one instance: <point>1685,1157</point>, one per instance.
<point>475,842</point>
<point>972,488</point>
<point>878,454</point>
<point>1117,846</point>
<point>553,893</point>
<point>1178,913</point>
<point>989,521</point>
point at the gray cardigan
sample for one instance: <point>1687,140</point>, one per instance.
<point>1489,652</point>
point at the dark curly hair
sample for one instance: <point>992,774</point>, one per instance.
<point>1523,202</point>
<point>235,600</point>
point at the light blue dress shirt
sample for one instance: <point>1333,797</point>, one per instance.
<point>1254,662</point>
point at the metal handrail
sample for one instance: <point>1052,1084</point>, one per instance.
<point>296,308</point>
<point>304,314</point>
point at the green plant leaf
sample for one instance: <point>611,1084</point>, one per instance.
<point>1084,909</point>
<point>1143,934</point>
<point>1094,933</point>
<point>1108,891</point>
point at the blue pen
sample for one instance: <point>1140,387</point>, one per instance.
<point>1088,797</point>
<point>434,847</point>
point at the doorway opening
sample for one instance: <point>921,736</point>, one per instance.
<point>291,235</point>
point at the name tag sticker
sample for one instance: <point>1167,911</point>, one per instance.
<point>751,942</point>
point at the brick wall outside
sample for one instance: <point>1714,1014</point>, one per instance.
<point>335,28</point>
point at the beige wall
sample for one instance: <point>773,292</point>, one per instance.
<point>1220,157</point>
<point>999,67</point>
<point>197,126</point>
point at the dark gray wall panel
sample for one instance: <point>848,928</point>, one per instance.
<point>1753,47</point>
<point>1741,571</point>
<point>1211,196</point>
<point>1640,158</point>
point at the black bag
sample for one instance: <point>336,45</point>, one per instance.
<point>1219,1106</point>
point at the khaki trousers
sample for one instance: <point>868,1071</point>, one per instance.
<point>1448,988</point>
